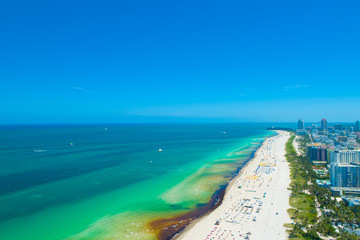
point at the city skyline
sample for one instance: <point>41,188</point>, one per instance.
<point>327,123</point>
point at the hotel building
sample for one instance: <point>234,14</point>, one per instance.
<point>345,175</point>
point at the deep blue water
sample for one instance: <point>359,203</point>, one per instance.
<point>45,167</point>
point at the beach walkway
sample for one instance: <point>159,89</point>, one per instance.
<point>256,201</point>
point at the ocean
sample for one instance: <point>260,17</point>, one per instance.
<point>110,181</point>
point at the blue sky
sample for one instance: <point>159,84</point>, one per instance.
<point>69,61</point>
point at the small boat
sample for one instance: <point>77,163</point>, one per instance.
<point>39,150</point>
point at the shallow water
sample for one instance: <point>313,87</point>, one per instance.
<point>110,181</point>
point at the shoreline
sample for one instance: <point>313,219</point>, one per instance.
<point>165,229</point>
<point>223,193</point>
<point>205,223</point>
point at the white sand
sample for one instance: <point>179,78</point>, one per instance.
<point>297,145</point>
<point>259,206</point>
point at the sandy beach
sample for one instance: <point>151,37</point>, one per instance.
<point>256,201</point>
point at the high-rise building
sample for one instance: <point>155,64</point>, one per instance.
<point>357,126</point>
<point>345,175</point>
<point>318,153</point>
<point>301,124</point>
<point>345,156</point>
<point>324,125</point>
<point>345,168</point>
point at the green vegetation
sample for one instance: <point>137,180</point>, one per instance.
<point>303,211</point>
<point>308,199</point>
<point>326,177</point>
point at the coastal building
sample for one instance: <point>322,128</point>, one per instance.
<point>324,125</point>
<point>301,124</point>
<point>319,153</point>
<point>357,126</point>
<point>344,156</point>
<point>310,149</point>
<point>345,191</point>
<point>345,175</point>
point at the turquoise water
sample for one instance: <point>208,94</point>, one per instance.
<point>110,181</point>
